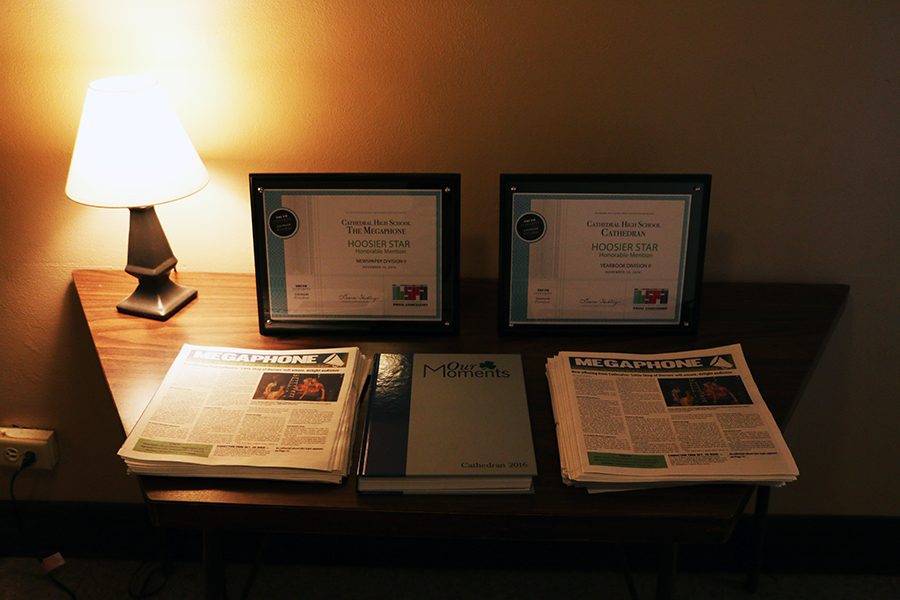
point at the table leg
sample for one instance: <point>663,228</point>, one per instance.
<point>213,566</point>
<point>668,568</point>
<point>758,539</point>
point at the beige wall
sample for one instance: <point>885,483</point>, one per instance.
<point>792,106</point>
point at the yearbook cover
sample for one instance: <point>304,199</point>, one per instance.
<point>447,423</point>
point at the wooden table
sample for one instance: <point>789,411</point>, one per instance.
<point>782,328</point>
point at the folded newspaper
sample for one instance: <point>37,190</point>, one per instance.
<point>259,414</point>
<point>633,421</point>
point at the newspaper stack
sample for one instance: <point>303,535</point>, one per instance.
<point>632,421</point>
<point>259,414</point>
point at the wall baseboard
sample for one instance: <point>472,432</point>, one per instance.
<point>123,531</point>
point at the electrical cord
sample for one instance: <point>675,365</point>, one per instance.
<point>152,575</point>
<point>257,563</point>
<point>626,571</point>
<point>27,460</point>
<point>148,580</point>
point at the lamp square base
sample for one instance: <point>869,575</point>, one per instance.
<point>156,298</point>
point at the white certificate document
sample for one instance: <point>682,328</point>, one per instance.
<point>598,258</point>
<point>354,254</point>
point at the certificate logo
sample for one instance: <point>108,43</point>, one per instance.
<point>409,292</point>
<point>651,296</point>
<point>283,223</point>
<point>531,227</point>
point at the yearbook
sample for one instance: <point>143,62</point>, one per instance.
<point>447,424</point>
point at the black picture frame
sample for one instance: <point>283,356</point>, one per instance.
<point>272,222</point>
<point>519,303</point>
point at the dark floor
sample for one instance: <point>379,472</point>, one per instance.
<point>101,579</point>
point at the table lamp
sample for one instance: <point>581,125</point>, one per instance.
<point>132,152</point>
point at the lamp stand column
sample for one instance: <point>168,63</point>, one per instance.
<point>150,260</point>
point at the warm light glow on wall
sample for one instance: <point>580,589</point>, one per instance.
<point>181,44</point>
<point>216,60</point>
<point>227,67</point>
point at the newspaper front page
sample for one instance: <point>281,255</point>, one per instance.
<point>628,420</point>
<point>232,412</point>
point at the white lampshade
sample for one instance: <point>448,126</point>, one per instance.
<point>131,149</point>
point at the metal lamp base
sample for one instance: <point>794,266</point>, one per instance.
<point>156,298</point>
<point>150,259</point>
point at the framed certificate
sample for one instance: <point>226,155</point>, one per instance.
<point>371,252</point>
<point>602,252</point>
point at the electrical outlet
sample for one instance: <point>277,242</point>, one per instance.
<point>15,442</point>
